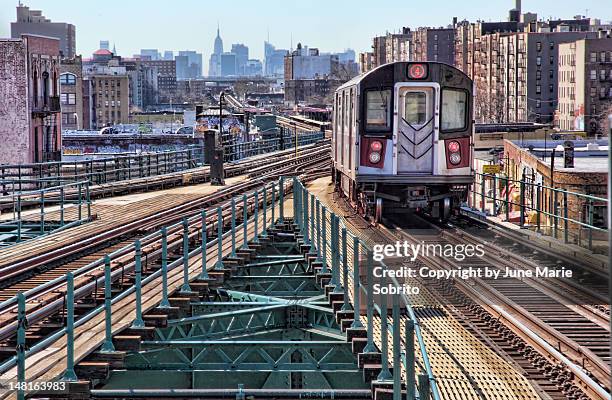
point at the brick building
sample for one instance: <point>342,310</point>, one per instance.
<point>71,92</point>
<point>110,100</point>
<point>386,49</point>
<point>30,123</point>
<point>310,90</point>
<point>585,84</point>
<point>166,78</point>
<point>434,44</point>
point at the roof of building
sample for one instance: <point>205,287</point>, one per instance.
<point>103,52</point>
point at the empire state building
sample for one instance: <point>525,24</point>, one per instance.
<point>214,66</point>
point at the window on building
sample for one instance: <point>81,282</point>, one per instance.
<point>593,92</point>
<point>593,74</point>
<point>118,103</point>
<point>106,103</point>
<point>538,89</point>
<point>602,56</point>
<point>112,103</point>
<point>538,61</point>
<point>593,57</point>
<point>436,36</point>
<point>538,74</point>
<point>602,74</point>
<point>68,98</point>
<point>539,46</point>
<point>119,114</point>
<point>551,60</point>
<point>538,103</point>
<point>551,74</point>
<point>551,88</point>
<point>602,92</point>
<point>67,79</point>
<point>551,45</point>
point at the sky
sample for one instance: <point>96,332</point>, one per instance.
<point>330,25</point>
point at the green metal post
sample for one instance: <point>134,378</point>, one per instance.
<point>423,387</point>
<point>19,216</point>
<point>245,219</point>
<point>538,205</point>
<point>22,324</point>
<point>370,347</point>
<point>356,289</point>
<point>281,198</point>
<point>590,224</point>
<point>474,206</point>
<point>565,219</point>
<point>507,198</point>
<point>138,322</point>
<point>219,264</point>
<point>522,200</point>
<point>69,374</point>
<point>107,347</point>
<point>185,288</point>
<point>304,203</point>
<point>42,212</point>
<point>397,370</point>
<point>318,216</point>
<point>410,361</point>
<point>556,213</point>
<point>296,215</point>
<point>324,269</point>
<point>62,199</point>
<point>233,228</point>
<point>482,195</point>
<point>384,374</point>
<point>165,303</point>
<point>203,246</point>
<point>311,219</point>
<point>264,233</point>
<point>88,198</point>
<point>335,253</point>
<point>256,215</point>
<point>80,201</point>
<point>273,220</point>
<point>345,306</point>
<point>494,195</point>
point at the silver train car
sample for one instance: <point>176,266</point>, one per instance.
<point>403,139</point>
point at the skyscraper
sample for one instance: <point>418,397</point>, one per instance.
<point>242,56</point>
<point>188,65</point>
<point>214,66</point>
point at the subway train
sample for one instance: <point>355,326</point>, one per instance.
<point>403,139</point>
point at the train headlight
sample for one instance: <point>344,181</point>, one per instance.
<point>453,147</point>
<point>455,158</point>
<point>376,145</point>
<point>374,157</point>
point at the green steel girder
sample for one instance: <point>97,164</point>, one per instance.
<point>247,321</point>
<point>242,355</point>
<point>279,286</point>
<point>278,267</point>
<point>281,249</point>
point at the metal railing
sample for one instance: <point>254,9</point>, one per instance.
<point>265,201</point>
<point>36,176</point>
<point>237,151</point>
<point>71,196</point>
<point>312,218</point>
<point>549,210</point>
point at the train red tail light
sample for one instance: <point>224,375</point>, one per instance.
<point>376,145</point>
<point>454,147</point>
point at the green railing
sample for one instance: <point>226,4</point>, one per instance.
<point>549,210</point>
<point>313,219</point>
<point>49,209</point>
<point>237,151</point>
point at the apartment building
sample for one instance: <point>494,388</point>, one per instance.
<point>110,100</point>
<point>585,84</point>
<point>71,93</point>
<point>434,44</point>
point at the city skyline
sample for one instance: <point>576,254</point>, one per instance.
<point>302,21</point>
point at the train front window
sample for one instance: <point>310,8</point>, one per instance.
<point>454,110</point>
<point>415,108</point>
<point>378,109</point>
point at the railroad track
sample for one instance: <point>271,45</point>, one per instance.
<point>45,303</point>
<point>566,354</point>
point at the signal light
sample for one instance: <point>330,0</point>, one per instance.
<point>455,158</point>
<point>417,71</point>
<point>376,145</point>
<point>453,147</point>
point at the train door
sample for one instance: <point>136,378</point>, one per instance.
<point>415,129</point>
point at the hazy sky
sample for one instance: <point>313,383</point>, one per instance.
<point>330,25</point>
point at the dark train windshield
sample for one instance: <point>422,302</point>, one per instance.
<point>454,110</point>
<point>378,110</point>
